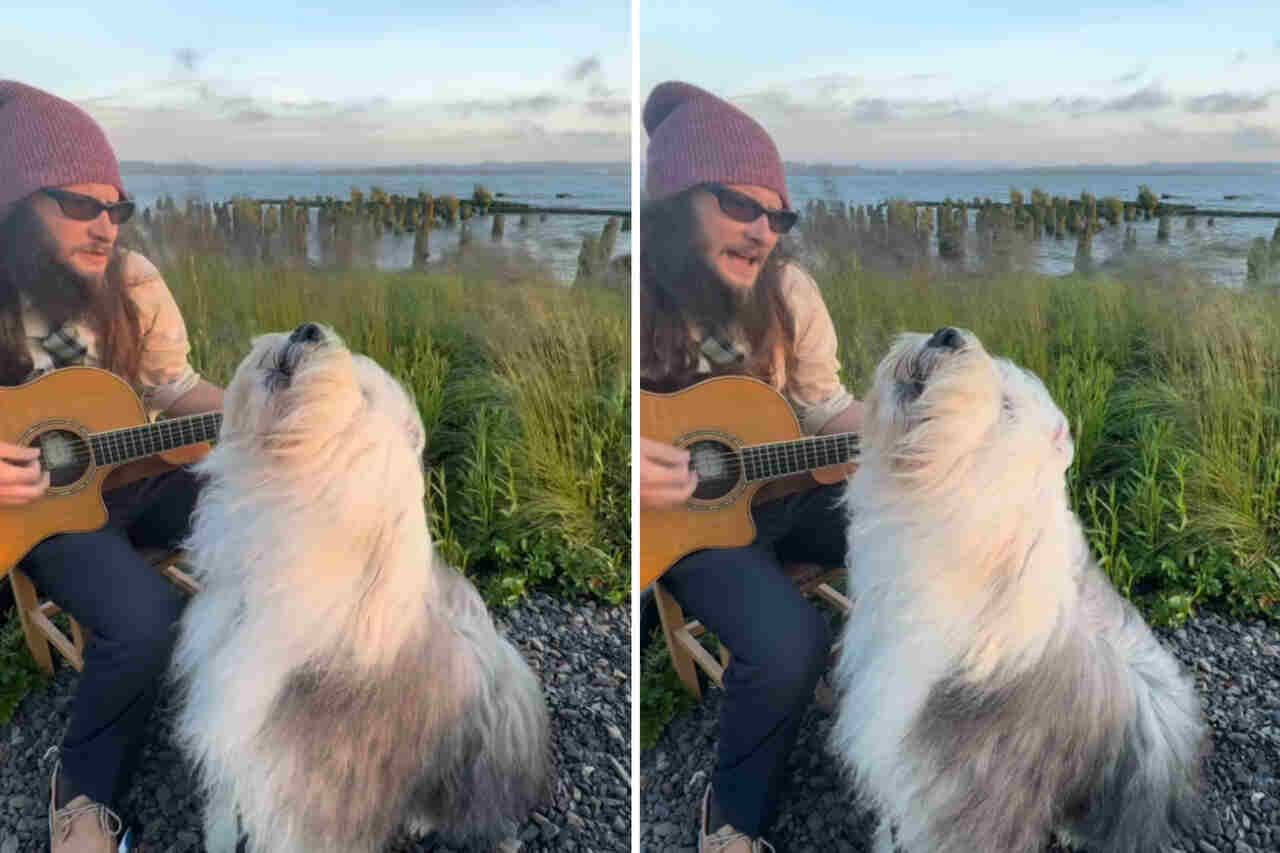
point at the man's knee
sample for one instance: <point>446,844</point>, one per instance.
<point>145,639</point>
<point>799,655</point>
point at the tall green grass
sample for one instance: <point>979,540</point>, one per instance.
<point>1173,394</point>
<point>524,391</point>
<point>1172,389</point>
<point>523,385</point>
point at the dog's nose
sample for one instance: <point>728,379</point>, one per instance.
<point>307,333</point>
<point>946,338</point>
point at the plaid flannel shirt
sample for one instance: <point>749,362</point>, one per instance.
<point>810,378</point>
<point>164,371</point>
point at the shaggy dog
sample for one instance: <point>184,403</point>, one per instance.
<point>339,681</point>
<point>994,687</point>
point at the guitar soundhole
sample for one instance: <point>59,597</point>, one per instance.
<point>718,466</point>
<point>65,455</point>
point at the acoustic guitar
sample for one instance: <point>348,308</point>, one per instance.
<point>740,434</point>
<point>93,435</point>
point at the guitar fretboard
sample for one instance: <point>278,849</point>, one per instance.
<point>782,458</point>
<point>125,445</point>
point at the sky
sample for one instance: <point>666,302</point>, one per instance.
<point>369,82</point>
<point>924,83</point>
<point>929,83</point>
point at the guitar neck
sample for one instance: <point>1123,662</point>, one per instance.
<point>119,446</point>
<point>784,458</point>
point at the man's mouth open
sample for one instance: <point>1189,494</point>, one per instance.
<point>744,260</point>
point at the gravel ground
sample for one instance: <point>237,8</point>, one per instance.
<point>1237,673</point>
<point>582,652</point>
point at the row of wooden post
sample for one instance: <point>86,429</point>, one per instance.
<point>346,230</point>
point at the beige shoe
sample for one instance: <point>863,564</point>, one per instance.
<point>726,839</point>
<point>81,826</point>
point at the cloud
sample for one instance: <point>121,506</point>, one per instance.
<point>1149,98</point>
<point>1079,105</point>
<point>506,106</point>
<point>873,110</point>
<point>1256,137</point>
<point>203,118</point>
<point>923,77</point>
<point>586,68</point>
<point>770,102</point>
<point>608,108</point>
<point>188,58</point>
<point>1131,76</point>
<point>1223,103</point>
<point>252,117</point>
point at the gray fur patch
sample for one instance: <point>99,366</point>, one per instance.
<point>371,753</point>
<point>1012,758</point>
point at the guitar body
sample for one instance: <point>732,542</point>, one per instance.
<point>723,412</point>
<point>72,403</point>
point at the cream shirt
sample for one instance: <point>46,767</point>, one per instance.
<point>812,385</point>
<point>164,370</point>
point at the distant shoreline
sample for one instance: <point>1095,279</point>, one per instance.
<point>822,170</point>
<point>623,169</point>
<point>143,167</point>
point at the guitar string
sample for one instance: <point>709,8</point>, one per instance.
<point>113,440</point>
<point>121,439</point>
<point>786,456</point>
<point>778,452</point>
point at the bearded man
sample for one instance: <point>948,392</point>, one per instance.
<point>69,295</point>
<point>719,296</point>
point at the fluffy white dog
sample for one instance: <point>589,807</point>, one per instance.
<point>341,682</point>
<point>994,687</point>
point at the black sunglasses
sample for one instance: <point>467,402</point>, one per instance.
<point>744,208</point>
<point>84,208</point>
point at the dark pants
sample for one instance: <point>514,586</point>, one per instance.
<point>778,639</point>
<point>100,579</point>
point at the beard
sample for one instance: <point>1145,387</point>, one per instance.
<point>30,267</point>
<point>717,306</point>
<point>59,292</point>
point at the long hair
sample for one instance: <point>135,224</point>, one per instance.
<point>27,267</point>
<point>677,291</point>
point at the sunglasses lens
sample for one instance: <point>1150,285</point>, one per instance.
<point>84,208</point>
<point>121,212</point>
<point>782,221</point>
<point>80,207</point>
<point>739,207</point>
<point>745,209</point>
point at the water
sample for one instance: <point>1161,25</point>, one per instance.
<point>1217,252</point>
<point>554,240</point>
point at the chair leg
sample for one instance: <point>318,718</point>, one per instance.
<point>77,636</point>
<point>672,618</point>
<point>24,595</point>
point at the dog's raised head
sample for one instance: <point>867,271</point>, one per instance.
<point>303,401</point>
<point>943,408</point>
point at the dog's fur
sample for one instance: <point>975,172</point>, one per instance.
<point>340,681</point>
<point>994,687</point>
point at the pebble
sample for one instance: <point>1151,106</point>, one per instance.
<point>1236,669</point>
<point>165,806</point>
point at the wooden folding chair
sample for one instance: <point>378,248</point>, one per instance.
<point>687,654</point>
<point>37,616</point>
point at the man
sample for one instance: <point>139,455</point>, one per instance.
<point>70,295</point>
<point>719,297</point>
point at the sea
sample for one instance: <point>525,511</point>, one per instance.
<point>1214,253</point>
<point>553,240</point>
<point>1217,254</point>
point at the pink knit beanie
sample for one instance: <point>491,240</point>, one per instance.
<point>48,142</point>
<point>696,138</point>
